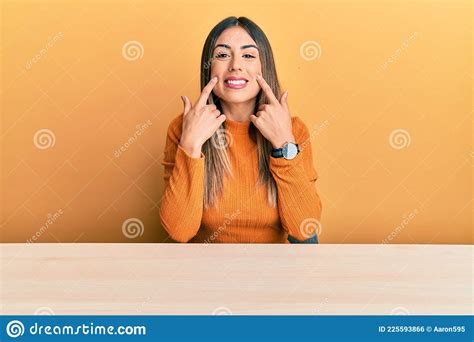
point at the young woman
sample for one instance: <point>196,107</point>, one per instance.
<point>238,166</point>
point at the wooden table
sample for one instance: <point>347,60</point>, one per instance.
<point>206,279</point>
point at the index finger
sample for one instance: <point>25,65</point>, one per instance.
<point>206,91</point>
<point>266,89</point>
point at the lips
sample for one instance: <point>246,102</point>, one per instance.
<point>235,82</point>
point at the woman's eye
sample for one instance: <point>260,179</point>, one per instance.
<point>225,55</point>
<point>221,55</point>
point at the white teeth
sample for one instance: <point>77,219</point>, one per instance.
<point>236,81</point>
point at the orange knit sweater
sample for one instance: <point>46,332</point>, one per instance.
<point>243,214</point>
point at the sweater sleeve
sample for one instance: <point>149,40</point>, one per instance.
<point>299,204</point>
<point>181,206</point>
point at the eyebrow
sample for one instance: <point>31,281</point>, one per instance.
<point>242,47</point>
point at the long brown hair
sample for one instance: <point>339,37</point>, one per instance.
<point>217,163</point>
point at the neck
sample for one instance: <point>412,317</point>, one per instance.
<point>239,111</point>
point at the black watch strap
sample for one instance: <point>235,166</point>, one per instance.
<point>278,152</point>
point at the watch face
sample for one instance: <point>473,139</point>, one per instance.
<point>290,151</point>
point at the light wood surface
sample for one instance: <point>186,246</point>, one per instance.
<point>236,279</point>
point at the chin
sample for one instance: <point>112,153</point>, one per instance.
<point>236,97</point>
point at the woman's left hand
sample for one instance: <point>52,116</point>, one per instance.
<point>273,120</point>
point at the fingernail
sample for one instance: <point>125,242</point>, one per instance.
<point>259,77</point>
<point>215,78</point>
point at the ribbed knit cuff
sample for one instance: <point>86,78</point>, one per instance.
<point>283,168</point>
<point>185,154</point>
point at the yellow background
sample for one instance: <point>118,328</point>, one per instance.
<point>383,66</point>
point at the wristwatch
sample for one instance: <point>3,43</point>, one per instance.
<point>288,151</point>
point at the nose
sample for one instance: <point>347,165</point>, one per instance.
<point>235,64</point>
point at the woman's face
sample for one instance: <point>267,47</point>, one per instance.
<point>236,61</point>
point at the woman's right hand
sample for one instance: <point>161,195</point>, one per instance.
<point>199,121</point>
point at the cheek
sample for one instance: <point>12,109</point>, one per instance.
<point>254,88</point>
<point>218,69</point>
<point>256,68</point>
<point>253,72</point>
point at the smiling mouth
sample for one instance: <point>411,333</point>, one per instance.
<point>235,83</point>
